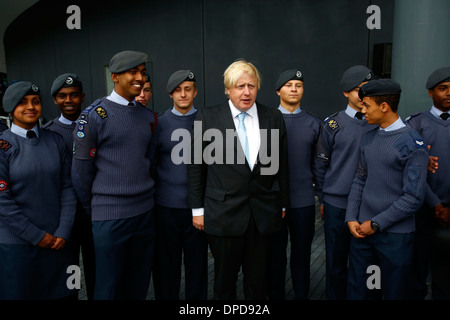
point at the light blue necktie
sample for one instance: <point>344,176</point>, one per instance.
<point>242,132</point>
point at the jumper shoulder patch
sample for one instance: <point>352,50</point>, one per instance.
<point>333,124</point>
<point>419,143</point>
<point>101,112</point>
<point>5,145</point>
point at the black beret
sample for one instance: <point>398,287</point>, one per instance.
<point>126,60</point>
<point>292,74</point>
<point>438,76</point>
<point>178,77</point>
<point>380,87</point>
<point>64,81</point>
<point>353,76</point>
<point>15,92</point>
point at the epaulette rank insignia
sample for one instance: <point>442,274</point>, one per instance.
<point>101,112</point>
<point>333,124</point>
<point>5,145</point>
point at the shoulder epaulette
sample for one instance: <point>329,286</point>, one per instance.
<point>48,124</point>
<point>330,116</point>
<point>412,116</point>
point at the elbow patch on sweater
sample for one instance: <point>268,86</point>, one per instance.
<point>414,174</point>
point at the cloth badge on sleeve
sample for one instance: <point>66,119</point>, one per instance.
<point>101,112</point>
<point>420,143</point>
<point>3,185</point>
<point>5,145</point>
<point>93,152</point>
<point>333,124</point>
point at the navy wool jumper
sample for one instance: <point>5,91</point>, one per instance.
<point>302,132</point>
<point>171,182</point>
<point>36,196</point>
<point>389,186</point>
<point>435,132</point>
<point>111,161</point>
<point>337,157</point>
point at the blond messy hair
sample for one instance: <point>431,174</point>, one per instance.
<point>236,70</point>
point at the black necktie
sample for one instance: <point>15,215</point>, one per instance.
<point>359,115</point>
<point>31,134</point>
<point>445,115</point>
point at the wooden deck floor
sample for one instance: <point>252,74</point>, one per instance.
<point>317,287</point>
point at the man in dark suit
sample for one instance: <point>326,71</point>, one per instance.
<point>239,201</point>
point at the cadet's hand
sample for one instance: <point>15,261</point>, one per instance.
<point>366,228</point>
<point>199,222</point>
<point>432,162</point>
<point>47,241</point>
<point>321,211</point>
<point>442,214</point>
<point>355,229</point>
<point>283,213</point>
<point>59,244</point>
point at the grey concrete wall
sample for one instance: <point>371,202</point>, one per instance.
<point>421,45</point>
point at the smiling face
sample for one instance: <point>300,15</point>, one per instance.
<point>69,101</point>
<point>129,84</point>
<point>441,96</point>
<point>243,94</point>
<point>27,112</point>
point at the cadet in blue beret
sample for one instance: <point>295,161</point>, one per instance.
<point>334,168</point>
<point>388,188</point>
<point>68,95</point>
<point>178,241</point>
<point>111,174</point>
<point>146,92</point>
<point>302,133</point>
<point>432,221</point>
<point>37,203</point>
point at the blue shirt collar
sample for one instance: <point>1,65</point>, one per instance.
<point>65,121</point>
<point>436,112</point>
<point>178,113</point>
<point>283,110</point>
<point>23,132</point>
<point>395,126</point>
<point>115,97</point>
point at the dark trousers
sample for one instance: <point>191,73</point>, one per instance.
<point>298,225</point>
<point>440,262</point>
<point>124,250</point>
<point>337,245</point>
<point>422,244</point>
<point>177,238</point>
<point>82,239</point>
<point>230,253</point>
<point>393,254</point>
